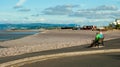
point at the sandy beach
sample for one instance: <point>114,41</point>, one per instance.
<point>51,39</point>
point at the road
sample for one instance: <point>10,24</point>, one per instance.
<point>98,60</point>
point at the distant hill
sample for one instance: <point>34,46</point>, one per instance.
<point>34,26</point>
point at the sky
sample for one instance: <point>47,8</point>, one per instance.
<point>83,12</point>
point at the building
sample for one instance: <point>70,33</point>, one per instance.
<point>117,21</point>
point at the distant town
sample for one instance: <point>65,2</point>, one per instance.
<point>112,25</point>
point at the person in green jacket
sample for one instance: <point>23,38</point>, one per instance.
<point>96,41</point>
<point>98,36</point>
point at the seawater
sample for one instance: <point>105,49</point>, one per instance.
<point>5,35</point>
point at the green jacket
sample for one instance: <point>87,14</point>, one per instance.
<point>97,37</point>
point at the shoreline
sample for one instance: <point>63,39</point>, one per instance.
<point>49,40</point>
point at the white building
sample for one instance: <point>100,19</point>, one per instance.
<point>117,21</point>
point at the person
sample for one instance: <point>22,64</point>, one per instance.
<point>101,38</point>
<point>101,34</point>
<point>96,41</point>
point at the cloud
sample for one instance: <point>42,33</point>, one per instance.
<point>35,15</point>
<point>41,19</point>
<point>24,10</point>
<point>20,3</point>
<point>59,10</point>
<point>100,12</point>
<point>106,7</point>
<point>102,8</point>
<point>19,6</point>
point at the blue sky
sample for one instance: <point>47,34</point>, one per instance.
<point>83,12</point>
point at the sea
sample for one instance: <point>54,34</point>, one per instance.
<point>7,35</point>
<point>10,35</point>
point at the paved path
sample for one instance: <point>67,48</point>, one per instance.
<point>99,60</point>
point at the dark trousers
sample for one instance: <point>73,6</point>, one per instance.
<point>97,42</point>
<point>101,41</point>
<point>94,43</point>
